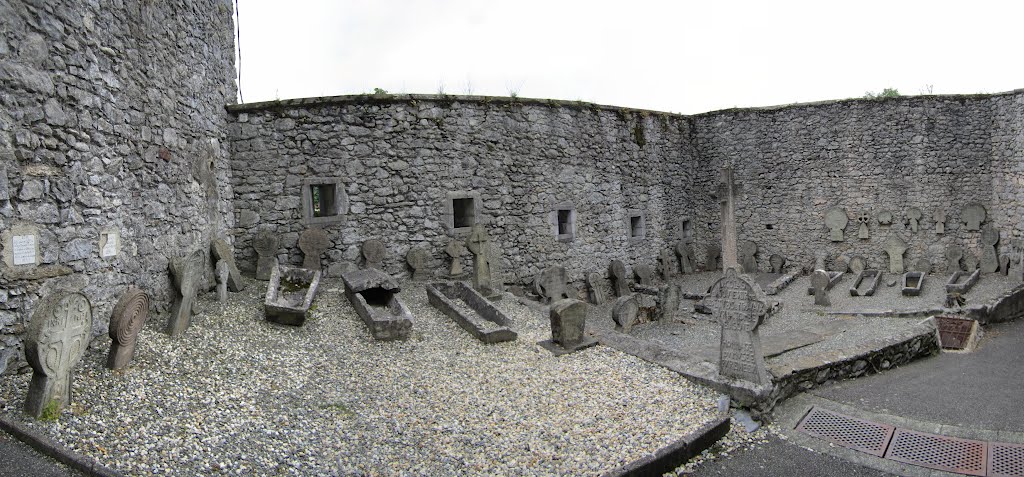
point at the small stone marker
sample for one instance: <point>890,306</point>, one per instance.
<point>57,337</point>
<point>110,243</point>
<point>668,301</point>
<point>455,250</point>
<point>713,259</point>
<point>595,288</point>
<point>777,262</point>
<point>737,307</point>
<point>895,247</point>
<point>644,274</point>
<point>266,244</point>
<point>819,280</point>
<point>667,264</point>
<point>479,244</point>
<point>914,218</point>
<point>970,261</point>
<point>222,283</point>
<point>885,218</point>
<point>313,242</point>
<point>922,265</point>
<point>417,259</point>
<point>617,273</point>
<point>373,254</point>
<point>1004,264</point>
<point>222,252</point>
<point>989,259</point>
<point>972,216</point>
<point>836,220</point>
<point>21,246</point>
<point>625,312</point>
<point>684,252</point>
<point>551,284</point>
<point>953,255</point>
<point>748,250</point>
<point>940,221</point>
<point>497,268</point>
<point>857,265</point>
<point>819,259</point>
<point>862,232</point>
<point>186,272</point>
<point>127,319</point>
<point>568,321</point>
<point>842,264</point>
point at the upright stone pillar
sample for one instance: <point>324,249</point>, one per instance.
<point>728,192</point>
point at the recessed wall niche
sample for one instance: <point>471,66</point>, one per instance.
<point>323,200</point>
<point>636,226</point>
<point>461,211</point>
<point>563,222</point>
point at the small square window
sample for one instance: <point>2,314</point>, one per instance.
<point>463,212</point>
<point>323,200</point>
<point>636,226</point>
<point>564,227</point>
<point>563,222</point>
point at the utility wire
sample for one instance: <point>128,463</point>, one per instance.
<point>238,46</point>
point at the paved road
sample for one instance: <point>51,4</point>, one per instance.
<point>18,460</point>
<point>781,458</point>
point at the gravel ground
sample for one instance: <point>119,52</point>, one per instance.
<point>238,395</point>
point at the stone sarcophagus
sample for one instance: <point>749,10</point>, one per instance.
<point>290,294</point>
<point>374,295</point>
<point>471,311</point>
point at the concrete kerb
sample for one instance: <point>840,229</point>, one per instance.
<point>675,454</point>
<point>51,448</point>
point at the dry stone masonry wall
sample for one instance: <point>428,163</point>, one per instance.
<point>113,150</point>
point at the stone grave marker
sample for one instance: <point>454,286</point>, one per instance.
<point>668,301</point>
<point>953,255</point>
<point>595,288</point>
<point>820,281</point>
<point>568,323</point>
<point>748,259</point>
<point>479,244</point>
<point>922,265</point>
<point>895,247</point>
<point>620,282</point>
<point>989,258</point>
<point>59,333</point>
<point>970,261</point>
<point>373,254</point>
<point>836,220</point>
<point>644,274</point>
<point>914,218</point>
<point>972,216</point>
<point>777,262</point>
<point>862,232</point>
<point>857,265</point>
<point>222,252</point>
<point>728,191</point>
<point>940,221</point>
<point>551,284</point>
<point>110,243</point>
<point>684,252</point>
<point>819,259</point>
<point>498,272</point>
<point>222,283</point>
<point>127,319</point>
<point>625,313</point>
<point>739,310</point>
<point>455,250</point>
<point>186,272</point>
<point>1004,264</point>
<point>713,260</point>
<point>21,246</point>
<point>313,242</point>
<point>266,244</point>
<point>667,264</point>
<point>416,257</point>
<point>842,263</point>
<point>885,217</point>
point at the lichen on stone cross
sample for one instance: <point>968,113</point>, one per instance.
<point>59,333</point>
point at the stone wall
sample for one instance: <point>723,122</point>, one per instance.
<point>401,160</point>
<point>112,121</point>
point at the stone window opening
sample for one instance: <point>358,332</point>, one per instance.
<point>637,226</point>
<point>461,212</point>
<point>323,200</point>
<point>687,229</point>
<point>563,222</point>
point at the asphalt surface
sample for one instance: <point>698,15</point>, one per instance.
<point>18,459</point>
<point>781,458</point>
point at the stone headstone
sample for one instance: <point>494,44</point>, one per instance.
<point>819,280</point>
<point>989,258</point>
<point>684,252</point>
<point>57,337</point>
<point>479,244</point>
<point>497,271</point>
<point>738,308</point>
<point>266,244</point>
<point>836,220</point>
<point>940,221</point>
<point>127,319</point>
<point>777,262</point>
<point>617,274</point>
<point>313,242</point>
<point>222,283</point>
<point>455,250</point>
<point>417,259</point>
<point>595,288</point>
<point>885,217</point>
<point>667,264</point>
<point>913,218</point>
<point>373,254</point>
<point>748,259</point>
<point>110,243</point>
<point>895,247</point>
<point>730,255</point>
<point>551,284</point>
<point>970,261</point>
<point>819,259</point>
<point>668,301</point>
<point>922,265</point>
<point>857,265</point>
<point>862,232</point>
<point>222,252</point>
<point>186,272</point>
<point>842,264</point>
<point>644,274</point>
<point>972,216</point>
<point>1004,264</point>
<point>625,312</point>
<point>953,255</point>
<point>568,323</point>
<point>713,260</point>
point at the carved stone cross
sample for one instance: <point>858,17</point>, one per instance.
<point>739,310</point>
<point>58,335</point>
<point>479,244</point>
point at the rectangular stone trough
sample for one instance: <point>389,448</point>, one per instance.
<point>471,311</point>
<point>290,293</point>
<point>374,295</point>
<point>912,282</point>
<point>866,283</point>
<point>961,283</point>
<point>833,278</point>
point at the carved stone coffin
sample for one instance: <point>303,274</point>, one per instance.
<point>471,311</point>
<point>866,283</point>
<point>374,295</point>
<point>960,282</point>
<point>912,282</point>
<point>290,294</point>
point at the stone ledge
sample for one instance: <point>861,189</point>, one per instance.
<point>670,457</point>
<point>51,448</point>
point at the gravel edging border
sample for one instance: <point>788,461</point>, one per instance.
<point>675,454</point>
<point>52,448</point>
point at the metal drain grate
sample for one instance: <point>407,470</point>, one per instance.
<point>953,332</point>
<point>963,456</point>
<point>865,436</point>
<point>1005,460</point>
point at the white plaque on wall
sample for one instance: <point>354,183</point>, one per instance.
<point>23,249</point>
<point>108,244</point>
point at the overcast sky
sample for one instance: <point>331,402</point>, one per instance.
<point>676,56</point>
